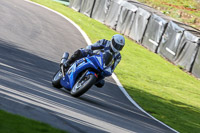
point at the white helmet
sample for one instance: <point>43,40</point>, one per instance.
<point>117,43</point>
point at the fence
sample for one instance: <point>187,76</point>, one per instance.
<point>174,41</point>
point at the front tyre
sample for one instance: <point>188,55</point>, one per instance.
<point>82,85</point>
<point>56,79</point>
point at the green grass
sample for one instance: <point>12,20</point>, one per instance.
<point>10,123</point>
<point>161,88</point>
<point>185,11</point>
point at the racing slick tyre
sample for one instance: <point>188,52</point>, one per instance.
<point>56,79</point>
<point>83,84</point>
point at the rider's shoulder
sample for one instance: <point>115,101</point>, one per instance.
<point>100,41</point>
<point>103,42</point>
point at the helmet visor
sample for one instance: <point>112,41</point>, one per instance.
<point>116,45</point>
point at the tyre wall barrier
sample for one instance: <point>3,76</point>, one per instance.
<point>196,66</point>
<point>126,17</point>
<point>173,40</point>
<point>87,7</point>
<point>187,51</point>
<point>75,4</point>
<point>100,10</point>
<point>139,25</point>
<point>71,3</point>
<point>112,16</point>
<point>156,26</point>
<point>170,41</point>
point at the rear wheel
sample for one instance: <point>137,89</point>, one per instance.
<point>82,85</point>
<point>56,79</point>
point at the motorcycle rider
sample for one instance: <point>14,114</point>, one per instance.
<point>113,46</point>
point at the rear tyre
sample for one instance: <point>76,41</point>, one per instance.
<point>56,79</point>
<point>82,85</point>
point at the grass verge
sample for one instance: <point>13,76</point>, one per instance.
<point>17,124</point>
<point>161,88</point>
<point>186,11</point>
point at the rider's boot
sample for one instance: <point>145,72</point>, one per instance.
<point>67,62</point>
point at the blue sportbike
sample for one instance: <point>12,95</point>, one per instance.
<point>84,72</point>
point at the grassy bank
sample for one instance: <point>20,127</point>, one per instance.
<point>186,11</point>
<point>10,123</point>
<point>161,88</point>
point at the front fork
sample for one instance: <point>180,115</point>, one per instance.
<point>63,71</point>
<point>64,60</point>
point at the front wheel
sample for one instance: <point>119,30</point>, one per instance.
<point>82,85</point>
<point>56,79</point>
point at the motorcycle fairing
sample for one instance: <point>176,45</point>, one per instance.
<point>79,66</point>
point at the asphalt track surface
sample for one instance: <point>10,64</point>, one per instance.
<point>32,41</point>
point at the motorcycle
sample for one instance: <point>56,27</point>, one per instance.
<point>84,73</point>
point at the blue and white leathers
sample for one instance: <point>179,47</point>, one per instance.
<point>106,46</point>
<point>96,64</point>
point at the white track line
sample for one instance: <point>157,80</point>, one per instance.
<point>113,75</point>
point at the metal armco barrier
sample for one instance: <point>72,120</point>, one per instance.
<point>177,42</point>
